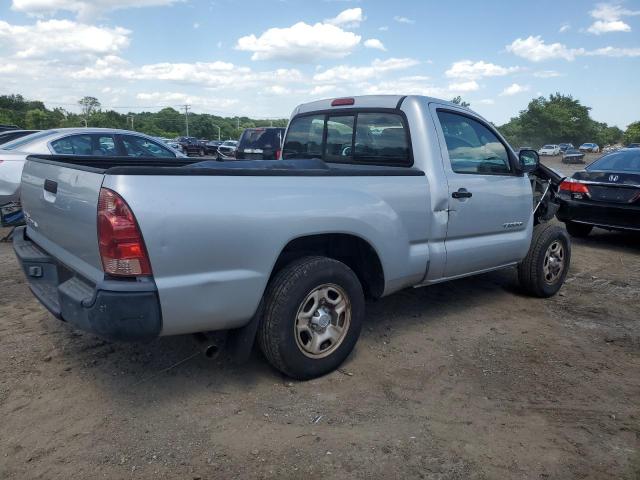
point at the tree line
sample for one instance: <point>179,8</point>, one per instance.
<point>556,119</point>
<point>168,122</point>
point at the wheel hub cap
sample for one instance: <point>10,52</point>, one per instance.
<point>553,262</point>
<point>322,321</point>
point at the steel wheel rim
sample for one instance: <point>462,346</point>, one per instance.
<point>322,321</point>
<point>554,260</point>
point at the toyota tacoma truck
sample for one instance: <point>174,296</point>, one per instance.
<point>373,194</point>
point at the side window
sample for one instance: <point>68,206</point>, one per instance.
<point>304,139</point>
<point>339,138</point>
<point>381,138</point>
<point>90,144</point>
<point>141,147</point>
<point>73,145</point>
<point>472,147</point>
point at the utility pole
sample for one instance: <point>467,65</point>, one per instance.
<point>238,123</point>
<point>131,118</point>
<point>217,128</point>
<point>186,117</point>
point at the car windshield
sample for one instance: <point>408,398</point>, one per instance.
<point>20,142</point>
<point>261,137</point>
<point>620,161</point>
<point>548,147</point>
<point>230,143</point>
<point>572,150</point>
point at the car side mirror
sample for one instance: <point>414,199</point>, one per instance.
<point>528,160</point>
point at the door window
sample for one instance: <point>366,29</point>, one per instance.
<point>87,144</point>
<point>142,147</point>
<point>472,147</point>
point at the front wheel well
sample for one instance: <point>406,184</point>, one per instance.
<point>351,250</point>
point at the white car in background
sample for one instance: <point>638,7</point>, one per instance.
<point>551,150</point>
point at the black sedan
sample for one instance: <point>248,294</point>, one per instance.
<point>605,194</point>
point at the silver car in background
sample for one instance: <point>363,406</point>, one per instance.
<point>74,141</point>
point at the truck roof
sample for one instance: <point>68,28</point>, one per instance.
<point>365,101</point>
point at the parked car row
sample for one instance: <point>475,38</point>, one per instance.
<point>95,142</point>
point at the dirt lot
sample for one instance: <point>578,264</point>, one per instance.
<point>467,380</point>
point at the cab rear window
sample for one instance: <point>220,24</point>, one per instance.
<point>361,138</point>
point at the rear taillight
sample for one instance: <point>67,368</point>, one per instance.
<point>278,153</point>
<point>122,248</point>
<point>573,186</point>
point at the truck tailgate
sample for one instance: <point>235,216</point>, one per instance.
<point>60,205</point>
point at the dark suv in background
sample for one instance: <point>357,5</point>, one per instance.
<point>262,143</point>
<point>191,146</point>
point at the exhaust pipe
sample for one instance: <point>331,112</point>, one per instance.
<point>211,344</point>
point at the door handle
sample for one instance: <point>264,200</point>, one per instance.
<point>462,193</point>
<point>50,186</point>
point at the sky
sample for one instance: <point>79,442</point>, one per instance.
<point>261,58</point>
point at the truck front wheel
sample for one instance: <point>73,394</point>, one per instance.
<point>314,309</point>
<point>545,267</point>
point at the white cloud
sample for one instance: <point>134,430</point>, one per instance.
<point>487,101</point>
<point>349,18</point>
<point>470,86</point>
<point>565,28</point>
<point>467,69</point>
<point>156,99</point>
<point>514,89</point>
<point>85,9</point>
<point>384,28</point>
<point>413,85</point>
<point>62,36</point>
<point>609,18</point>
<point>213,75</point>
<point>536,50</point>
<point>403,20</point>
<point>375,43</point>
<point>277,90</point>
<point>345,73</point>
<point>322,89</point>
<point>615,52</point>
<point>300,43</point>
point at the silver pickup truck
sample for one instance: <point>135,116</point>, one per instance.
<point>373,194</point>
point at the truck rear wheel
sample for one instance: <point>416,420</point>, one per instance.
<point>545,267</point>
<point>314,309</point>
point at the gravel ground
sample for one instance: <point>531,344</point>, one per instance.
<point>466,380</point>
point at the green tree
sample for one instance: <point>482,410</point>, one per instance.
<point>89,105</point>
<point>632,134</point>
<point>459,101</point>
<point>557,119</point>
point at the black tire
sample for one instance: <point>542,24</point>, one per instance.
<point>531,271</point>
<point>579,230</point>
<point>284,297</point>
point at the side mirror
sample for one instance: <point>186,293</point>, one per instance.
<point>528,160</point>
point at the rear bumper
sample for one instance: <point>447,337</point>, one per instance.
<point>114,313</point>
<point>606,215</point>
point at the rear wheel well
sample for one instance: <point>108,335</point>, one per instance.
<point>351,250</point>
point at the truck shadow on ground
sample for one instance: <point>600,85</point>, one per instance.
<point>168,367</point>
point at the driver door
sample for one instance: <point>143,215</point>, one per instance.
<point>490,204</point>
